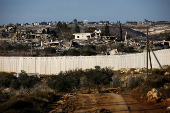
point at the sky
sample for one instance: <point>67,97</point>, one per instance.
<point>29,11</point>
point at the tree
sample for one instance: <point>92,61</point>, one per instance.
<point>90,29</point>
<point>49,50</point>
<point>75,21</point>
<point>167,37</point>
<point>59,26</point>
<point>120,32</point>
<point>64,30</point>
<point>106,30</point>
<point>77,29</point>
<point>27,81</point>
<point>72,52</point>
<point>15,84</point>
<point>43,31</point>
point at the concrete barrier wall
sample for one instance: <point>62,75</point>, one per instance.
<point>53,65</point>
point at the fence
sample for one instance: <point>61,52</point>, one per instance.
<point>53,65</point>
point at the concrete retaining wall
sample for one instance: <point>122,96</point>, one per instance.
<point>53,65</point>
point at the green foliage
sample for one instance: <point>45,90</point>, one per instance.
<point>71,52</point>
<point>5,82</point>
<point>75,21</point>
<point>91,78</point>
<point>120,33</point>
<point>87,53</point>
<point>43,31</point>
<point>66,81</point>
<point>5,79</point>
<point>158,72</point>
<point>135,81</point>
<point>90,29</point>
<point>62,27</point>
<point>167,37</point>
<point>77,29</point>
<point>27,81</point>
<point>100,49</point>
<point>49,50</point>
<point>106,30</point>
<point>33,103</point>
<point>15,84</point>
<point>98,77</point>
<point>64,30</point>
<point>59,83</point>
<point>5,46</point>
<point>59,26</point>
<point>156,81</point>
<point>165,93</point>
<point>4,75</point>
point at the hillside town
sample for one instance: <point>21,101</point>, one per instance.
<point>84,56</point>
<point>82,38</point>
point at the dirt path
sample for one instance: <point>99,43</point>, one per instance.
<point>142,107</point>
<point>104,103</point>
<point>101,102</point>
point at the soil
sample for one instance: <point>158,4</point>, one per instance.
<point>108,103</point>
<point>138,105</point>
<point>100,102</point>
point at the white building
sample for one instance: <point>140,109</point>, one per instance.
<point>83,36</point>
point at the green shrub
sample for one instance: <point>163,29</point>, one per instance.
<point>158,72</point>
<point>5,75</point>
<point>135,81</point>
<point>59,83</point>
<point>71,79</point>
<point>27,81</point>
<point>15,84</point>
<point>5,79</point>
<point>5,82</point>
<point>156,81</point>
<point>165,93</point>
<point>116,82</point>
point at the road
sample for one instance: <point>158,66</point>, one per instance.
<point>100,102</point>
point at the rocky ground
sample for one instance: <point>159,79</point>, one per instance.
<point>107,103</point>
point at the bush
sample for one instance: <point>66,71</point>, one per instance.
<point>5,75</point>
<point>156,81</point>
<point>71,79</point>
<point>5,82</point>
<point>5,79</point>
<point>50,50</point>
<point>15,84</point>
<point>165,93</point>
<point>135,81</point>
<point>158,72</point>
<point>59,83</point>
<point>27,81</point>
<point>116,82</point>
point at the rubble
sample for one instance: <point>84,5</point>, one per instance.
<point>154,94</point>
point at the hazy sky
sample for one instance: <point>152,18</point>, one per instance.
<point>29,11</point>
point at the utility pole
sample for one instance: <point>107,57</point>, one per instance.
<point>147,52</point>
<point>150,60</point>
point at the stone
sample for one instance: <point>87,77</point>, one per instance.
<point>154,94</point>
<point>168,109</point>
<point>167,73</point>
<point>149,95</point>
<point>6,90</point>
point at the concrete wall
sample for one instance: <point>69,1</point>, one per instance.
<point>53,65</point>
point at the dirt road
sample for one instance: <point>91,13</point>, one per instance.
<point>100,102</point>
